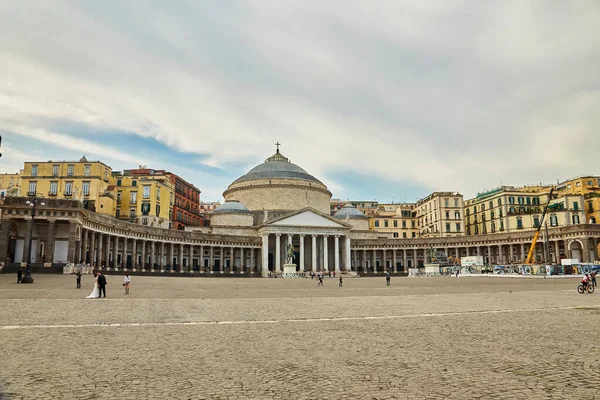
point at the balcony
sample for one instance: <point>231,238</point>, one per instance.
<point>51,193</point>
<point>525,211</point>
<point>68,194</point>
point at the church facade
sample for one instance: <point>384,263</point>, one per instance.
<point>275,204</point>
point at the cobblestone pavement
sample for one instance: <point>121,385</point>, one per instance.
<point>177,338</point>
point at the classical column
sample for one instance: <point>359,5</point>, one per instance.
<point>134,257</point>
<point>170,254</point>
<point>336,256</point>
<point>106,252</point>
<point>201,259</point>
<point>364,260</point>
<point>181,257</point>
<point>374,260</point>
<point>489,249</point>
<point>252,260</point>
<point>211,259</point>
<point>404,260</point>
<point>265,255</point>
<point>523,255</point>
<point>478,251</point>
<point>567,252</point>
<point>511,252</point>
<point>143,263</point>
<point>222,259</point>
<point>100,254</point>
<point>161,254</point>
<point>348,254</point>
<point>191,258</point>
<point>313,253</point>
<point>325,253</point>
<point>152,255</point>
<point>83,257</point>
<point>115,263</point>
<point>415,258</point>
<point>93,249</point>
<point>28,233</point>
<point>457,250</point>
<point>394,265</point>
<point>231,259</point>
<point>301,268</point>
<point>49,248</point>
<point>556,252</point>
<point>277,252</point>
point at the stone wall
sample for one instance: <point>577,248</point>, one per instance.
<point>218,219</point>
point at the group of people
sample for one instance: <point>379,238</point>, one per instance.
<point>100,284</point>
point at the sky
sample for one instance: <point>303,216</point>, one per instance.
<point>384,101</point>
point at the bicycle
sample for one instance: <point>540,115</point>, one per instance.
<point>582,289</point>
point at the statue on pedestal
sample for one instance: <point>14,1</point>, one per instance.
<point>290,253</point>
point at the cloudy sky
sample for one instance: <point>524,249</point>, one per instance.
<point>388,100</point>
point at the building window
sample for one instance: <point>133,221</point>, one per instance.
<point>118,214</point>
<point>491,214</point>
<point>455,202</point>
<point>511,200</point>
<point>395,223</point>
<point>553,220</point>
<point>519,223</point>
<point>457,227</point>
<point>55,170</point>
<point>144,221</point>
<point>575,219</point>
<point>499,202</point>
<point>575,206</point>
<point>376,223</point>
<point>447,214</point>
<point>500,213</point>
<point>414,235</point>
<point>521,200</point>
<point>86,170</point>
<point>118,197</point>
<point>491,204</point>
<point>528,201</point>
<point>132,213</point>
<point>385,223</point>
<point>483,207</point>
<point>146,191</point>
<point>395,234</point>
<point>446,202</point>
<point>501,225</point>
<point>404,224</point>
<point>158,193</point>
<point>145,208</point>
<point>34,170</point>
<point>404,235</point>
<point>70,170</point>
<point>86,188</point>
<point>158,210</point>
<point>133,183</point>
<point>32,187</point>
<point>493,227</point>
<point>105,174</point>
<point>456,214</point>
<point>53,188</point>
<point>476,230</point>
<point>536,221</point>
<point>413,224</point>
<point>68,188</point>
<point>133,198</point>
<point>578,184</point>
<point>447,227</point>
<point>119,182</point>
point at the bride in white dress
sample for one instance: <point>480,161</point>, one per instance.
<point>95,292</point>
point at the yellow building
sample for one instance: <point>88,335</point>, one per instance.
<point>589,188</point>
<point>10,185</point>
<point>508,209</point>
<point>397,219</point>
<point>440,215</point>
<point>145,196</point>
<point>87,181</point>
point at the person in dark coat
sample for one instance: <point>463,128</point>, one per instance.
<point>78,275</point>
<point>101,285</point>
<point>19,275</point>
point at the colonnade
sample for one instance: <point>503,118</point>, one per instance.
<point>103,250</point>
<point>316,253</point>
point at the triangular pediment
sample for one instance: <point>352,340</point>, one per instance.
<point>307,218</point>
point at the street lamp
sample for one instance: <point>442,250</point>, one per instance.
<point>33,202</point>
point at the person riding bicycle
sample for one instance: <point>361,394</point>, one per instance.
<point>585,281</point>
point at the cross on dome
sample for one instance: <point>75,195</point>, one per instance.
<point>278,144</point>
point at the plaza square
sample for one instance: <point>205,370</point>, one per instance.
<point>241,338</point>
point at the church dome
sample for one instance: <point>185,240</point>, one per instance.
<point>231,207</point>
<point>348,211</point>
<point>276,167</point>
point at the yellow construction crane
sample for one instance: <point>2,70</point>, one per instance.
<point>539,228</point>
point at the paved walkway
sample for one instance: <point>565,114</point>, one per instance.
<point>177,338</point>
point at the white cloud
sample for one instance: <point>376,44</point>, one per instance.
<point>445,95</point>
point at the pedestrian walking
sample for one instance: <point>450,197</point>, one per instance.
<point>387,278</point>
<point>78,275</point>
<point>341,283</point>
<point>593,276</point>
<point>457,273</point>
<point>19,275</point>
<point>127,283</point>
<point>320,280</point>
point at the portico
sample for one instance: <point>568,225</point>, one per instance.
<point>321,243</point>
